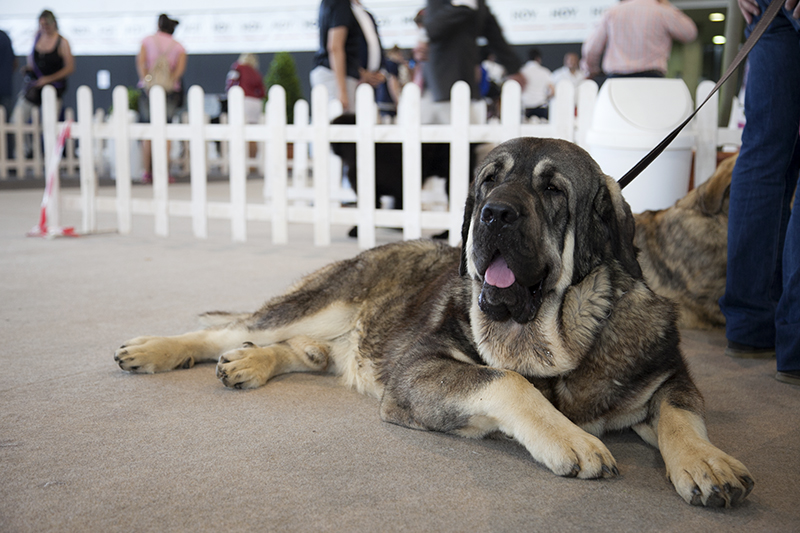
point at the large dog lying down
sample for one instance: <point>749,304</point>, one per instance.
<point>540,327</point>
<point>683,250</point>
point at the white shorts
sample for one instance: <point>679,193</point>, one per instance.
<point>324,76</point>
<point>252,109</point>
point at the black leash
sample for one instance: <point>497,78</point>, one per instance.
<point>758,31</point>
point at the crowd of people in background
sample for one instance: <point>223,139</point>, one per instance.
<point>350,52</point>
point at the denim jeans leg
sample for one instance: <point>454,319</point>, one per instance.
<point>759,204</point>
<point>787,320</point>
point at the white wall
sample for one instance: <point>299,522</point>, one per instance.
<point>99,27</point>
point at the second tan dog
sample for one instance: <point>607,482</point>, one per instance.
<point>683,250</point>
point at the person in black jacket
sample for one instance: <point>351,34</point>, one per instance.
<point>453,28</point>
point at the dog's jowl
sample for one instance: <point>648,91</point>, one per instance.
<point>540,326</point>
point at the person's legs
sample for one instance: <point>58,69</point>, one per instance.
<point>324,76</point>
<point>759,204</point>
<point>787,319</point>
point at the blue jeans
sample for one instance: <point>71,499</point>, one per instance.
<point>762,294</point>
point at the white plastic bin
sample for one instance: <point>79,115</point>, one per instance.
<point>631,116</point>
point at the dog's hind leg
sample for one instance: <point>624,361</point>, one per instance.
<point>252,366</point>
<point>701,473</point>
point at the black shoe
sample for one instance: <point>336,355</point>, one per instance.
<point>743,351</point>
<point>790,376</point>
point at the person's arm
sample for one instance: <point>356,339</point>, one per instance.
<point>793,6</point>
<point>593,48</point>
<point>337,59</point>
<point>141,62</point>
<point>68,68</point>
<point>506,55</point>
<point>749,9</point>
<point>180,66</point>
<point>679,25</point>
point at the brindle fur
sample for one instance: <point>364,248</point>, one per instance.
<point>577,345</point>
<point>683,250</point>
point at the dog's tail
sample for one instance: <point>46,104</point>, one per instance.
<point>220,318</point>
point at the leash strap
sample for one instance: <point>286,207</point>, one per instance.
<point>758,31</point>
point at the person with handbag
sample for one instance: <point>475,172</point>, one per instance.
<point>49,63</point>
<point>161,61</point>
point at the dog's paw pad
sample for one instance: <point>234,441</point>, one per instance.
<point>712,479</point>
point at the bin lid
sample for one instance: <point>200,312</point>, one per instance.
<point>645,141</point>
<point>637,112</point>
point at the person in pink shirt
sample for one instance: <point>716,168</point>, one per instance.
<point>153,47</point>
<point>634,39</point>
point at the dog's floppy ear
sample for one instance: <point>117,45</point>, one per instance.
<point>616,218</point>
<point>468,207</point>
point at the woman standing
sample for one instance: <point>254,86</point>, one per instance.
<point>161,61</point>
<point>49,63</point>
<point>349,51</point>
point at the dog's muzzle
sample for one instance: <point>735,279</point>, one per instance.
<point>508,291</point>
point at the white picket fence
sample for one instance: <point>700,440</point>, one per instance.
<point>311,193</point>
<point>21,167</point>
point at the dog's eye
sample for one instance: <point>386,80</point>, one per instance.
<point>489,180</point>
<point>553,189</point>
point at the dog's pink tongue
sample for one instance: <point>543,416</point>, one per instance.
<point>499,275</point>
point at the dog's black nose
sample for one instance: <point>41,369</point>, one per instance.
<point>498,215</point>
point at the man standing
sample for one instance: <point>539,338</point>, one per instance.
<point>453,28</point>
<point>634,39</point>
<point>537,86</point>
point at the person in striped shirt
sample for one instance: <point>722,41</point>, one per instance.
<point>634,39</point>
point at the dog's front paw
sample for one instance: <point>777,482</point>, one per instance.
<point>148,355</point>
<point>580,454</point>
<point>247,367</point>
<point>707,476</point>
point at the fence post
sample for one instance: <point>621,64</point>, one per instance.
<point>50,134</point>
<point>19,144</point>
<point>705,123</point>
<point>85,127</point>
<point>276,162</point>
<point>237,163</point>
<point>197,162</point>
<point>122,156</point>
<point>159,158</point>
<point>587,96</point>
<point>300,160</point>
<point>510,110</point>
<point>562,111</point>
<point>366,113</point>
<point>321,149</point>
<point>459,157</point>
<point>409,117</point>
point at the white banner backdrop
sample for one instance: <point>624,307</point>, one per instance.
<point>291,27</point>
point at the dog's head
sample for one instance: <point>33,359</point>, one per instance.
<point>540,216</point>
